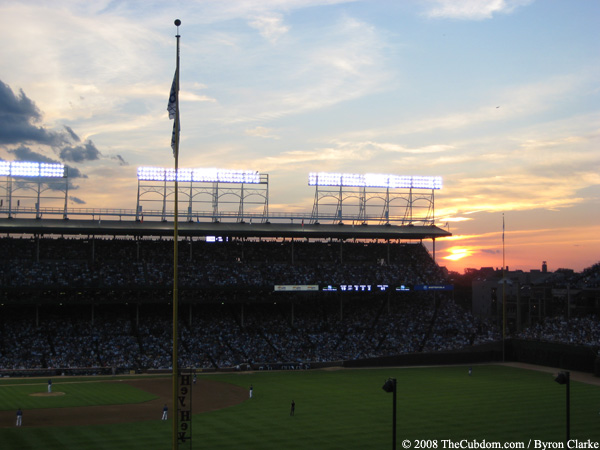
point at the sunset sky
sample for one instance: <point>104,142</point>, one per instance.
<point>501,98</point>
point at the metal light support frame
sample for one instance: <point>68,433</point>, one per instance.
<point>37,179</point>
<point>357,194</point>
<point>228,195</point>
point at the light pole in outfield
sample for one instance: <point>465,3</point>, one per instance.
<point>565,378</point>
<point>390,386</point>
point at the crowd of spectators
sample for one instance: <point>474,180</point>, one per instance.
<point>222,332</point>
<point>125,263</point>
<point>575,330</point>
<point>217,336</point>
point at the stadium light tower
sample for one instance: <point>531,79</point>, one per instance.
<point>390,386</point>
<point>373,186</point>
<point>237,184</point>
<point>565,378</point>
<point>39,173</point>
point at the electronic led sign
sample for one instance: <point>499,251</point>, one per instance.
<point>434,287</point>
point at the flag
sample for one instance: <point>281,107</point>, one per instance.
<point>172,107</point>
<point>174,137</point>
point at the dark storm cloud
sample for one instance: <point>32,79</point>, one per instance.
<point>24,153</point>
<point>491,251</point>
<point>80,153</point>
<point>120,159</point>
<point>72,134</point>
<point>17,117</point>
<point>76,200</point>
<point>74,172</point>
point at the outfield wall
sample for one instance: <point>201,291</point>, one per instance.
<point>564,356</point>
<point>572,357</point>
<point>480,354</point>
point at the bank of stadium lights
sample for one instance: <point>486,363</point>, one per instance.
<point>373,180</point>
<point>31,169</point>
<point>198,175</point>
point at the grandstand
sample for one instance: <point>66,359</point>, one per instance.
<point>94,292</point>
<point>104,302</point>
<point>94,295</point>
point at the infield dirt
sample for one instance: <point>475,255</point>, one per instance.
<point>207,395</point>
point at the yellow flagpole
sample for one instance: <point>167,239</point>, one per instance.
<point>503,295</point>
<point>176,257</point>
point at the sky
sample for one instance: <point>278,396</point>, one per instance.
<point>501,98</point>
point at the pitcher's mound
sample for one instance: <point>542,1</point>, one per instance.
<point>47,394</point>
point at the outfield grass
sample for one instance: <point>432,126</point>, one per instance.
<point>78,392</point>
<point>63,379</point>
<point>349,409</point>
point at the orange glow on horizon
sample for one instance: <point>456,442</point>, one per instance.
<point>458,253</point>
<point>574,248</point>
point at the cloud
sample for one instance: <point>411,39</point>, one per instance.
<point>326,158</point>
<point>120,160</point>
<point>17,117</point>
<point>76,200</point>
<point>458,253</point>
<point>491,251</point>
<point>72,134</point>
<point>17,113</point>
<point>473,9</point>
<point>390,147</point>
<point>23,153</point>
<point>261,132</point>
<point>80,153</point>
<point>270,26</point>
<point>338,61</point>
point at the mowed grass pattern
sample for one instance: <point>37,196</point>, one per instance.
<point>77,393</point>
<point>348,409</point>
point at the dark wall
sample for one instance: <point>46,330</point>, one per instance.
<point>563,356</point>
<point>572,357</point>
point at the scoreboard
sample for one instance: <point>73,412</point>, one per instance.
<point>361,287</point>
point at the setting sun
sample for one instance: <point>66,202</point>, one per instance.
<point>457,253</point>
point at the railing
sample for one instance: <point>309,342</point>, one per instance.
<point>199,216</point>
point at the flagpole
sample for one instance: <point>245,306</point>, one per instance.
<point>503,295</point>
<point>175,251</point>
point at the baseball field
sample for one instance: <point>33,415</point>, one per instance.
<point>334,409</point>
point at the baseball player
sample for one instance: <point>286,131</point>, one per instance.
<point>19,417</point>
<point>165,411</point>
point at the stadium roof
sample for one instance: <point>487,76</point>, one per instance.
<point>101,227</point>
